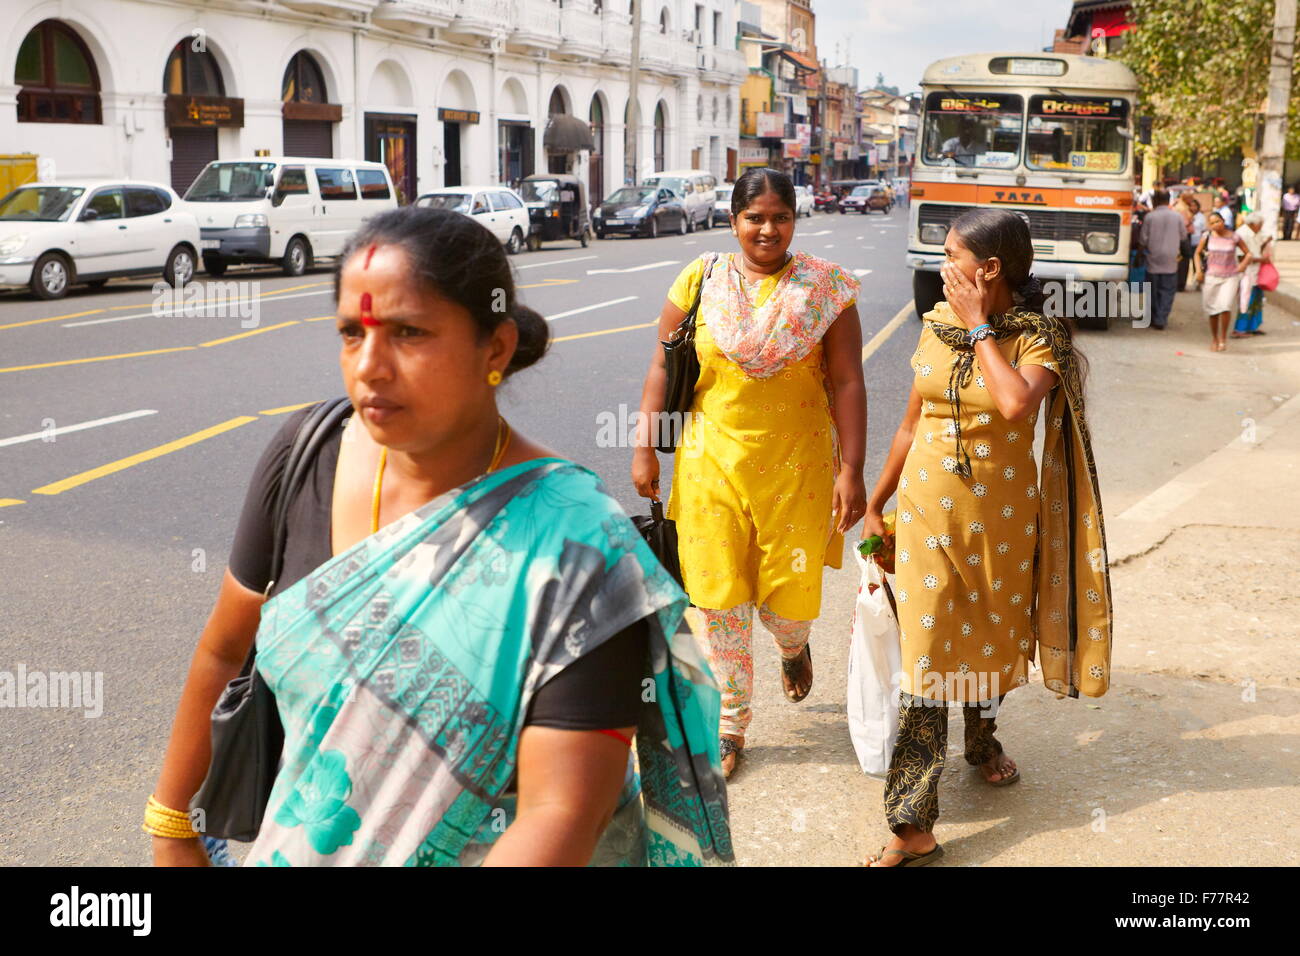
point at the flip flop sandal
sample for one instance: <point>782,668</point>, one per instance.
<point>1005,781</point>
<point>788,669</point>
<point>727,747</point>
<point>909,859</point>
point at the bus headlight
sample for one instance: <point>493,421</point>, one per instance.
<point>934,233</point>
<point>1100,243</point>
<point>251,220</point>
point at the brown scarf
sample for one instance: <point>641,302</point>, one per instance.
<point>1073,617</point>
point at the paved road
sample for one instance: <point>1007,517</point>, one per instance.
<point>112,558</point>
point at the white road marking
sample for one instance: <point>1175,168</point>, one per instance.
<point>17,439</point>
<point>857,237</point>
<point>829,245</point>
<point>641,268</point>
<point>226,303</point>
<point>589,308</point>
<point>689,242</point>
<point>820,232</point>
<point>862,272</point>
<point>868,247</point>
<point>554,262</point>
<point>890,328</point>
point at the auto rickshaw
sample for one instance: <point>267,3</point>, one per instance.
<point>557,208</point>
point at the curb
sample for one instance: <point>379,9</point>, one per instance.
<point>1285,296</point>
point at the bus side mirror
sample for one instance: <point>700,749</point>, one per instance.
<point>1144,130</point>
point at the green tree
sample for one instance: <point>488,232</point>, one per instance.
<point>1202,68</point>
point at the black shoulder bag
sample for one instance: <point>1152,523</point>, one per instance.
<point>247,737</point>
<point>682,366</point>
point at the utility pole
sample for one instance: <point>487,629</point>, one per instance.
<point>633,105</point>
<point>1273,156</point>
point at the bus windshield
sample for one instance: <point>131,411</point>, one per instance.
<point>1076,133</point>
<point>971,128</point>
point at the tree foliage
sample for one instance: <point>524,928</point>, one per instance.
<point>1202,68</point>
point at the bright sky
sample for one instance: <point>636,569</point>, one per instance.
<point>900,38</point>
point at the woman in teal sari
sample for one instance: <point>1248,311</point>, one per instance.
<point>461,672</point>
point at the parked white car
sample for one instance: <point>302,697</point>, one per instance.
<point>697,189</point>
<point>722,204</point>
<point>803,201</point>
<point>283,209</point>
<point>56,235</point>
<point>496,207</point>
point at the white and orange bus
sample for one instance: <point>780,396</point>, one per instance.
<point>1047,135</point>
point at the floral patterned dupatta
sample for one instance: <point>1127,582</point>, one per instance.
<point>763,339</point>
<point>403,669</point>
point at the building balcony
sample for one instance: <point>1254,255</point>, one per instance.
<point>536,24</point>
<point>481,19</point>
<point>416,13</point>
<point>657,52</point>
<point>580,35</point>
<point>616,38</point>
<point>334,8</point>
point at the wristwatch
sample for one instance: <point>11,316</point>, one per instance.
<point>980,332</point>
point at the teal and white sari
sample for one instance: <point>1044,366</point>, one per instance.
<point>403,669</point>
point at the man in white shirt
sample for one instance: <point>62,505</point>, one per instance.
<point>964,148</point>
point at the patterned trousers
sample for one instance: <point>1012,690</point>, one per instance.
<point>912,784</point>
<point>731,639</point>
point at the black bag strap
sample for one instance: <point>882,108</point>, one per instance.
<point>688,323</point>
<point>313,431</point>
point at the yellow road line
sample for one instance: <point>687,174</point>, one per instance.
<point>322,318</point>
<point>157,452</point>
<point>244,335</point>
<point>95,358</point>
<point>547,282</point>
<point>883,335</point>
<point>53,318</point>
<point>284,408</point>
<point>587,335</point>
<point>6,502</point>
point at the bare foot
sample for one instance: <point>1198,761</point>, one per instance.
<point>998,768</point>
<point>912,840</point>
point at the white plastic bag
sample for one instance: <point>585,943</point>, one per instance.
<point>875,661</point>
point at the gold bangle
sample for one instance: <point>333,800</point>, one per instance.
<point>166,811</point>
<point>163,821</point>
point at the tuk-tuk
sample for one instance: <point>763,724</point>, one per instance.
<point>557,208</point>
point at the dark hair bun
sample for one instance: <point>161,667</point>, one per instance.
<point>534,338</point>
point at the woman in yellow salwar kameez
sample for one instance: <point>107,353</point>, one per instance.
<point>768,474</point>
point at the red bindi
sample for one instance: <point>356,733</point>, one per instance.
<point>366,317</point>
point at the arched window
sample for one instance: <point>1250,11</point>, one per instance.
<point>192,72</point>
<point>663,20</point>
<point>596,117</point>
<point>57,76</point>
<point>556,106</point>
<point>661,121</point>
<point>303,80</point>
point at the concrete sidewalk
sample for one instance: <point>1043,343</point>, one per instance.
<point>1193,757</point>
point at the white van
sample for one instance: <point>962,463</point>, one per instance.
<point>283,209</point>
<point>697,189</point>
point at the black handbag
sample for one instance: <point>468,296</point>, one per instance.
<point>661,535</point>
<point>247,736</point>
<point>682,367</point>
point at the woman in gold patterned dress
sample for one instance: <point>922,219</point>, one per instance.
<point>992,563</point>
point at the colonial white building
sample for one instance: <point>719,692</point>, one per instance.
<point>444,91</point>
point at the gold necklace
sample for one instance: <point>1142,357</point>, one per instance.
<point>503,441</point>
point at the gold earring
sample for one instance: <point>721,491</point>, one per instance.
<point>494,378</point>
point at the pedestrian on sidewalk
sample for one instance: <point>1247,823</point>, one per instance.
<point>1290,205</point>
<point>1198,230</point>
<point>1224,208</point>
<point>993,566</point>
<point>1163,232</point>
<point>1183,206</point>
<point>768,474</point>
<point>1220,276</point>
<point>1250,297</point>
<point>458,637</point>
